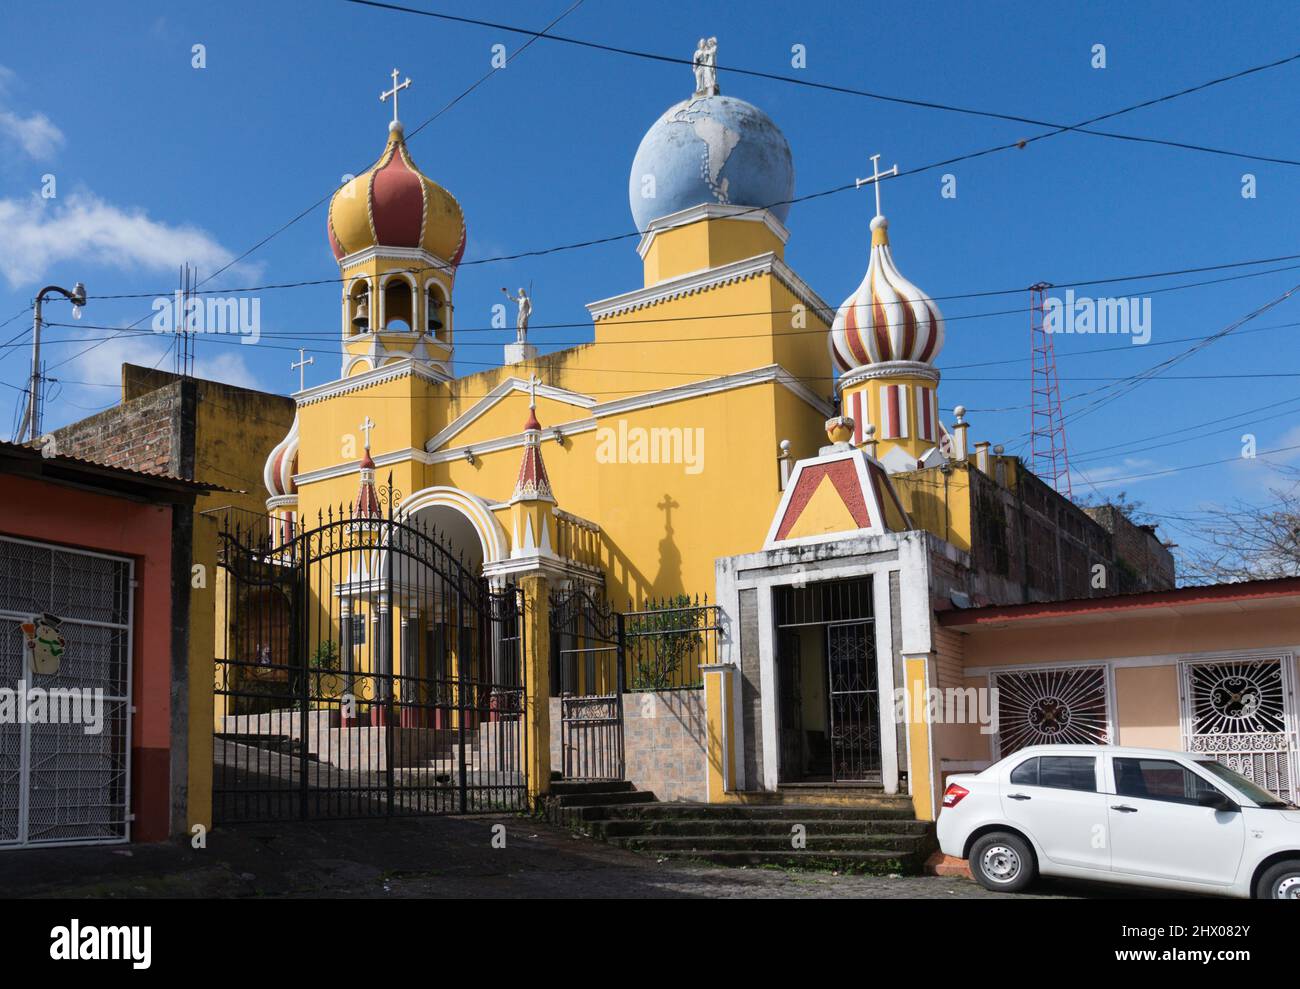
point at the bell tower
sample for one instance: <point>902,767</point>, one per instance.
<point>398,238</point>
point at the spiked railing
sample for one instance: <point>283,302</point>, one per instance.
<point>669,640</point>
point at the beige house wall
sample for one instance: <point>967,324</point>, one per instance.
<point>1142,651</point>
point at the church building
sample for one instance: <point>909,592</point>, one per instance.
<point>805,478</point>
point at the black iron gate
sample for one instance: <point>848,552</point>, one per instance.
<point>588,675</point>
<point>363,670</point>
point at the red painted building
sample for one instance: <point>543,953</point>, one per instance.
<point>101,555</point>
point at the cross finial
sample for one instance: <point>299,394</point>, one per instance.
<point>366,426</point>
<point>383,97</point>
<point>533,382</point>
<point>875,177</point>
<point>300,365</point>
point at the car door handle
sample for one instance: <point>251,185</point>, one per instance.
<point>1124,808</point>
<point>1019,796</point>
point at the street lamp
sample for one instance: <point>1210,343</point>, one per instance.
<point>78,299</point>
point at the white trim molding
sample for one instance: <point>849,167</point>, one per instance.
<point>375,376</point>
<point>507,387</point>
<point>710,211</point>
<point>708,278</point>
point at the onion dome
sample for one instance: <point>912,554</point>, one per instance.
<point>393,204</point>
<point>533,484</point>
<point>282,464</point>
<point>887,318</point>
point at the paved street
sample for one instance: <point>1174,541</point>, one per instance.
<point>431,857</point>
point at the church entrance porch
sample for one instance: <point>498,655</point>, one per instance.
<point>364,670</point>
<point>828,705</point>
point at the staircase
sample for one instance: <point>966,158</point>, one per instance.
<point>843,830</point>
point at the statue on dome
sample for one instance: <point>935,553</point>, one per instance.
<point>705,65</point>
<point>525,305</point>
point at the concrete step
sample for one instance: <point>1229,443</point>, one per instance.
<point>743,812</point>
<point>827,843</point>
<point>874,862</point>
<point>631,827</point>
<point>604,798</point>
<point>568,787</point>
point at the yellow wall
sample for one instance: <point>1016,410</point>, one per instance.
<point>1147,702</point>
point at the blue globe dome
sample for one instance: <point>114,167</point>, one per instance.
<point>711,149</point>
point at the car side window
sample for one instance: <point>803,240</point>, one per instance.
<point>1026,774</point>
<point>1068,772</point>
<point>1159,779</point>
<point>1060,772</point>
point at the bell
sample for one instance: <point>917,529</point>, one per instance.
<point>435,307</point>
<point>362,319</point>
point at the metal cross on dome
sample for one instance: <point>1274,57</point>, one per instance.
<point>366,426</point>
<point>875,177</point>
<point>383,97</point>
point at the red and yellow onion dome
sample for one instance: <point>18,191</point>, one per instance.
<point>394,204</point>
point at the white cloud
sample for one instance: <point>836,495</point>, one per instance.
<point>40,233</point>
<point>36,134</point>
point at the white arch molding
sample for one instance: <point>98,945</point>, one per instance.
<point>492,537</point>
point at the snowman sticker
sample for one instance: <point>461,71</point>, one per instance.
<point>44,644</point>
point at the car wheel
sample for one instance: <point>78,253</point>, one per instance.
<point>1281,882</point>
<point>1002,862</point>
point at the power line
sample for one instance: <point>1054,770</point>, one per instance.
<point>1080,127</point>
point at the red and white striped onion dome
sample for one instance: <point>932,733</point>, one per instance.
<point>887,318</point>
<point>282,464</point>
<point>367,503</point>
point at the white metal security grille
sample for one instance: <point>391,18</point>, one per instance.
<point>1242,712</point>
<point>1051,706</point>
<point>58,784</point>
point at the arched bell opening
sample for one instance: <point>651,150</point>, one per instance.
<point>399,304</point>
<point>437,312</point>
<point>358,307</point>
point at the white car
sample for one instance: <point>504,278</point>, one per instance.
<point>1146,817</point>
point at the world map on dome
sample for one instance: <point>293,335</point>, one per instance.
<point>711,149</point>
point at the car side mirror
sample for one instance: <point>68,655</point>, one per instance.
<point>1217,800</point>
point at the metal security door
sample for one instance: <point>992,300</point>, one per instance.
<point>1242,712</point>
<point>854,702</point>
<point>589,676</point>
<point>64,749</point>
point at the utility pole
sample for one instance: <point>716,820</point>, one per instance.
<point>32,420</point>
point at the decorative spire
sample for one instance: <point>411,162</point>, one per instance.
<point>367,503</point>
<point>533,484</point>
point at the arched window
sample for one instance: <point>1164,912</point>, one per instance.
<point>438,312</point>
<point>360,317</point>
<point>399,304</point>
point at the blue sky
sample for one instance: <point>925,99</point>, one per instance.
<point>157,162</point>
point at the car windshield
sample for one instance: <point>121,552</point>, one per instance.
<point>1256,793</point>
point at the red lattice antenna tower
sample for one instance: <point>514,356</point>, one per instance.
<point>1048,457</point>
